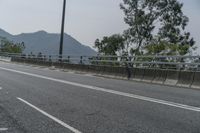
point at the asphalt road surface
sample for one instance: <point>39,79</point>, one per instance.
<point>40,100</point>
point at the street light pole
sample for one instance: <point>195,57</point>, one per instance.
<point>62,31</point>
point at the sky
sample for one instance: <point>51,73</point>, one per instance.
<point>86,20</point>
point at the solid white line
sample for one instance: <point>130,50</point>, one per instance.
<point>50,116</point>
<point>3,129</point>
<point>148,99</point>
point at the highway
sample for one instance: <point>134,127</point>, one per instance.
<point>42,100</point>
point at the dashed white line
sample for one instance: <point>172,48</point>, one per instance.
<point>148,99</point>
<point>50,116</point>
<point>3,129</point>
<point>1,88</point>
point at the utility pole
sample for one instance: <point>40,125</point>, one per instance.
<point>62,31</point>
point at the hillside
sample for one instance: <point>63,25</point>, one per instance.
<point>48,43</point>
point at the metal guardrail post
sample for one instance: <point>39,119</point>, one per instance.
<point>68,59</point>
<point>50,58</point>
<point>81,60</point>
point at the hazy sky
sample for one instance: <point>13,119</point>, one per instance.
<point>86,20</point>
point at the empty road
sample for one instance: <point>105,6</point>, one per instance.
<point>40,100</point>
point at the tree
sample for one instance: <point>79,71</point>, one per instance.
<point>140,16</point>
<point>155,27</point>
<point>171,39</point>
<point>166,48</point>
<point>173,23</point>
<point>166,16</point>
<point>110,45</point>
<point>11,47</point>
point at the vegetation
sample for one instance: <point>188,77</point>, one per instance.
<point>110,45</point>
<point>11,47</point>
<point>156,27</point>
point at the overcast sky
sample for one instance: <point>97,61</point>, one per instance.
<point>86,20</point>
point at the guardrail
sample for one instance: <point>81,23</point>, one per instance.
<point>159,62</point>
<point>181,71</point>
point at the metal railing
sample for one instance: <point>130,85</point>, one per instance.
<point>160,62</point>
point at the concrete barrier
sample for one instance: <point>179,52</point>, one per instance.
<point>87,68</point>
<point>132,71</point>
<point>138,74</point>
<point>108,70</point>
<point>6,59</point>
<point>58,65</point>
<point>121,72</point>
<point>76,67</point>
<point>34,61</point>
<point>69,66</point>
<point>90,69</point>
<point>149,75</point>
<point>102,70</point>
<point>196,81</point>
<point>172,77</point>
<point>72,66</point>
<point>80,67</point>
<point>185,79</point>
<point>118,72</point>
<point>16,60</point>
<point>99,70</point>
<point>66,66</point>
<point>160,76</point>
<point>39,62</point>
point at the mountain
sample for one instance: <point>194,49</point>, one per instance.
<point>48,43</point>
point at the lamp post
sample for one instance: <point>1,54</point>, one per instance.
<point>62,31</point>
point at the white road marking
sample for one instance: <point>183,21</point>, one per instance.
<point>50,116</point>
<point>148,99</point>
<point>0,88</point>
<point>3,129</point>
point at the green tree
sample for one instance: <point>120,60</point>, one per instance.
<point>173,23</point>
<point>171,39</point>
<point>155,27</point>
<point>144,17</point>
<point>167,48</point>
<point>11,47</point>
<point>110,45</point>
<point>140,15</point>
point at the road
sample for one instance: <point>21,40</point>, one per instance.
<point>40,100</point>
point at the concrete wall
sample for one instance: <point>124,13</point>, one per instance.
<point>6,59</point>
<point>190,79</point>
